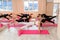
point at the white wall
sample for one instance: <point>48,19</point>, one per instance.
<point>56,1</point>
<point>58,28</point>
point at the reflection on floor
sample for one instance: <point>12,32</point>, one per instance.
<point>12,35</point>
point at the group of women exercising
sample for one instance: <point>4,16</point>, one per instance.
<point>26,17</point>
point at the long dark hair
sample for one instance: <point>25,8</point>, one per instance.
<point>43,15</point>
<point>38,15</point>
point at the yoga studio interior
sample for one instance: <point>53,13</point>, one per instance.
<point>29,19</point>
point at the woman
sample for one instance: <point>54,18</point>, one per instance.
<point>47,18</point>
<point>39,21</point>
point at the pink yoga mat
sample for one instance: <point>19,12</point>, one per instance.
<point>19,25</point>
<point>32,32</point>
<point>1,25</point>
<point>15,25</point>
<point>49,24</point>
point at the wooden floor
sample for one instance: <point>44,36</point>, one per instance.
<point>12,35</point>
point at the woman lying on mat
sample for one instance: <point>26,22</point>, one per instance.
<point>5,16</point>
<point>23,18</point>
<point>20,15</point>
<point>47,18</point>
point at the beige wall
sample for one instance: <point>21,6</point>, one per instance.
<point>49,8</point>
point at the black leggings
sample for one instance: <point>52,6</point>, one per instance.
<point>48,19</point>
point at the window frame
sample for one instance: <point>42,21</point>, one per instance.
<point>7,5</point>
<point>32,6</point>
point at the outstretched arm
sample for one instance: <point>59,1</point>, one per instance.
<point>39,26</point>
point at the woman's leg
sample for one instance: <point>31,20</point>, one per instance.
<point>52,17</point>
<point>51,21</point>
<point>39,26</point>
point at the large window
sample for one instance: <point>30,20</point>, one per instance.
<point>5,5</point>
<point>55,9</point>
<point>30,5</point>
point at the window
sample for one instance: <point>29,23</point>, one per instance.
<point>30,5</point>
<point>5,5</point>
<point>55,9</point>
